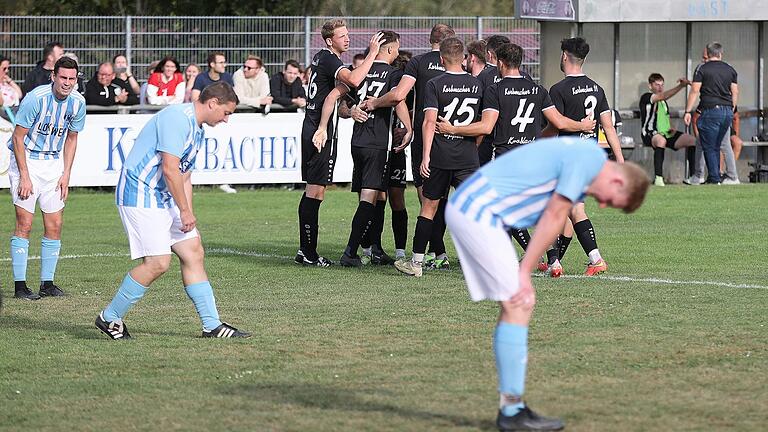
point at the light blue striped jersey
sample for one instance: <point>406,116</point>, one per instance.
<point>175,131</point>
<point>514,189</point>
<point>49,120</point>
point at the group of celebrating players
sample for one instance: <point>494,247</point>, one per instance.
<point>455,122</point>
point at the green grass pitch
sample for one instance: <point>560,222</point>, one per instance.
<point>681,344</point>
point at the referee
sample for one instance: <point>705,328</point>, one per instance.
<point>716,81</point>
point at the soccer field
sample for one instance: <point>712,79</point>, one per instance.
<point>674,337</point>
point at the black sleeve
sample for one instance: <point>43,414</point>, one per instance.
<point>557,99</point>
<point>30,82</point>
<point>298,89</point>
<point>430,96</point>
<point>133,98</point>
<point>276,90</point>
<point>92,96</point>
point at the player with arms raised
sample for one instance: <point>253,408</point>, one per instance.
<point>317,162</point>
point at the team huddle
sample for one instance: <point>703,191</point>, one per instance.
<point>481,135</point>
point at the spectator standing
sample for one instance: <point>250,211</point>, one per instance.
<point>123,73</point>
<point>190,73</point>
<point>105,89</point>
<point>217,65</point>
<point>717,82</point>
<point>10,92</point>
<point>252,83</point>
<point>286,89</point>
<point>41,74</point>
<point>166,84</point>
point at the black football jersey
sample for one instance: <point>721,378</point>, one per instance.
<point>456,98</point>
<point>375,132</point>
<point>520,103</point>
<point>325,67</point>
<point>489,76</point>
<point>577,96</point>
<point>422,68</point>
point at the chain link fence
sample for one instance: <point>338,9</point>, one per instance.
<point>190,39</point>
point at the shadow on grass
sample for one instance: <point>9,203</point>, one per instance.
<point>78,330</point>
<point>333,398</point>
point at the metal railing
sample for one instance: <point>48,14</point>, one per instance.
<point>190,39</point>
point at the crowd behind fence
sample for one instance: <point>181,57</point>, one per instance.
<point>190,39</point>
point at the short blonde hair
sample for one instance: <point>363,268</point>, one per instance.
<point>330,26</point>
<point>636,185</point>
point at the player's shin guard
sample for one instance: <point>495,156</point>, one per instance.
<point>49,257</point>
<point>562,245</point>
<point>400,227</point>
<point>521,236</point>
<point>436,240</point>
<point>658,160</point>
<point>201,295</point>
<point>586,235</point>
<point>129,293</point>
<point>309,209</point>
<point>424,228</point>
<point>378,222</point>
<point>510,344</point>
<point>361,226</point>
<point>19,255</point>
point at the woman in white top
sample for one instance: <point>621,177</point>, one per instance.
<point>10,92</point>
<point>166,84</point>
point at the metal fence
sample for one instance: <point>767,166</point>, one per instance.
<point>190,39</point>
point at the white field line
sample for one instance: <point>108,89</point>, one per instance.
<point>228,251</point>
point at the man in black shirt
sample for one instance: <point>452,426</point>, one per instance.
<point>718,85</point>
<point>41,73</point>
<point>489,76</point>
<point>106,90</point>
<point>371,143</point>
<point>317,162</point>
<point>512,114</point>
<point>447,160</point>
<point>286,88</point>
<point>657,130</point>
<point>577,96</point>
<point>419,70</point>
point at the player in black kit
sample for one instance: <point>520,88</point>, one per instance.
<point>317,162</point>
<point>577,96</point>
<point>419,70</point>
<point>371,143</point>
<point>447,160</point>
<point>512,113</point>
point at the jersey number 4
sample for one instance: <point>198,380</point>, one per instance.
<point>523,116</point>
<point>467,107</point>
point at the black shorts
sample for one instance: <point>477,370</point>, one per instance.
<point>417,153</point>
<point>670,141</point>
<point>317,167</point>
<point>440,180</point>
<point>485,150</point>
<point>397,170</point>
<point>370,169</point>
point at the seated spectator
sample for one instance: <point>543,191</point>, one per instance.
<point>41,73</point>
<point>106,90</point>
<point>123,72</point>
<point>166,84</point>
<point>143,91</point>
<point>217,65</point>
<point>286,88</point>
<point>252,83</point>
<point>10,92</point>
<point>190,73</point>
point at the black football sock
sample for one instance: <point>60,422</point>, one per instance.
<point>521,236</point>
<point>562,245</point>
<point>361,224</point>
<point>19,285</point>
<point>424,228</point>
<point>400,227</point>
<point>378,222</point>
<point>690,156</point>
<point>586,235</point>
<point>436,240</point>
<point>552,255</point>
<point>309,209</point>
<point>658,160</point>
